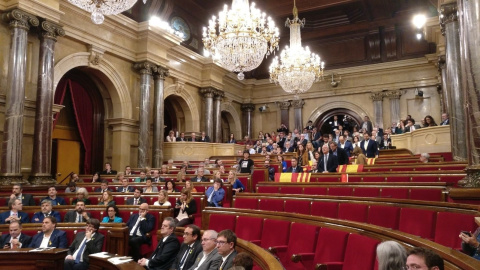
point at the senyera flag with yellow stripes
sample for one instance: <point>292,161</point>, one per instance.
<point>292,177</point>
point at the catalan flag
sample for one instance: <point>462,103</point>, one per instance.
<point>292,177</point>
<point>350,168</point>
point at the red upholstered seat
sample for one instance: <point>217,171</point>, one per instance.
<point>394,193</point>
<point>315,191</point>
<point>246,203</point>
<point>354,179</point>
<point>249,228</point>
<point>275,233</point>
<point>296,206</point>
<point>353,212</point>
<point>425,178</point>
<point>340,191</point>
<point>426,194</point>
<point>373,179</point>
<point>398,179</point>
<point>271,205</point>
<point>451,178</point>
<point>360,252</point>
<point>366,192</point>
<point>291,190</point>
<point>221,222</point>
<point>267,189</point>
<point>418,222</point>
<point>244,181</point>
<point>302,239</point>
<point>121,200</point>
<point>324,209</point>
<point>449,225</point>
<point>385,216</point>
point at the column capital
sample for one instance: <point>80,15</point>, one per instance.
<point>248,107</point>
<point>51,30</point>
<point>161,73</point>
<point>96,55</point>
<point>283,105</point>
<point>17,18</point>
<point>448,14</point>
<point>297,103</point>
<point>208,92</point>
<point>145,67</point>
<point>393,94</point>
<point>219,94</point>
<point>377,96</point>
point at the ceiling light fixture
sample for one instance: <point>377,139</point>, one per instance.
<point>99,8</point>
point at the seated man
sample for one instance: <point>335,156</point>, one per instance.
<point>226,243</point>
<point>15,239</point>
<point>137,197</point>
<point>125,188</point>
<point>209,258</point>
<point>142,177</point>
<point>85,243</point>
<point>422,258</point>
<point>295,168</point>
<point>215,193</point>
<point>200,176</point>
<point>156,178</point>
<point>164,255</point>
<point>190,248</point>
<point>78,215</point>
<point>50,236</point>
<point>52,196</point>
<point>271,170</point>
<point>139,224</point>
<point>17,192</point>
<point>103,187</point>
<point>128,170</point>
<point>46,212</point>
<point>15,213</point>
<point>424,157</point>
<point>108,169</point>
<point>327,163</point>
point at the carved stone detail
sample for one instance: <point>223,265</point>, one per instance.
<point>51,30</point>
<point>248,107</point>
<point>161,73</point>
<point>96,55</point>
<point>41,180</point>
<point>298,103</point>
<point>284,105</point>
<point>17,18</point>
<point>448,14</point>
<point>208,92</point>
<point>472,180</point>
<point>145,67</point>
<point>393,94</point>
<point>441,62</point>
<point>377,96</point>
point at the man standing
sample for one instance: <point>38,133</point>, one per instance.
<point>345,145</point>
<point>209,258</point>
<point>50,236</point>
<point>327,162</point>
<point>17,193</point>
<point>52,196</point>
<point>425,259</point>
<point>367,125</point>
<point>369,147</point>
<point>164,255</point>
<point>78,215</point>
<point>226,243</point>
<point>108,169</point>
<point>15,239</point>
<point>137,197</point>
<point>139,225</point>
<point>46,211</point>
<point>190,248</point>
<point>103,187</point>
<point>341,155</point>
<point>85,243</point>
<point>295,168</point>
<point>15,213</point>
<point>125,188</point>
<point>245,165</point>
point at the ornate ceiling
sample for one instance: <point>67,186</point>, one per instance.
<point>343,32</point>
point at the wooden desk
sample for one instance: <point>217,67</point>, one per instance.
<point>103,264</point>
<point>21,259</point>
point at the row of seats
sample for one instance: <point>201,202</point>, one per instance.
<point>391,178</point>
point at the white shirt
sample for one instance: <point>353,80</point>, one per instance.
<point>45,241</point>
<point>136,225</point>
<point>18,238</point>
<point>204,258</point>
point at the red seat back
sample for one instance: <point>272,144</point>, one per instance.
<point>360,253</point>
<point>291,190</point>
<point>296,206</point>
<point>315,191</point>
<point>221,222</point>
<point>418,222</point>
<point>275,233</point>
<point>394,193</point>
<point>422,194</point>
<point>249,228</point>
<point>271,205</point>
<point>324,209</point>
<point>246,203</point>
<point>366,192</point>
<point>340,191</point>
<point>449,225</point>
<point>330,246</point>
<point>385,216</point>
<point>302,240</point>
<point>353,212</point>
<point>267,189</point>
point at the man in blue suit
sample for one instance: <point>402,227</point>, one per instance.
<point>88,242</point>
<point>14,214</point>
<point>46,211</point>
<point>369,147</point>
<point>52,196</point>
<point>15,239</point>
<point>50,236</point>
<point>345,145</point>
<point>138,226</point>
<point>125,188</point>
<point>215,194</point>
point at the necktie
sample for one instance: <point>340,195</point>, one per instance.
<point>293,170</point>
<point>325,162</point>
<point>210,197</point>
<point>80,251</point>
<point>136,202</point>
<point>184,258</point>
<point>135,229</point>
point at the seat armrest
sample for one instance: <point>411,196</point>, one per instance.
<point>274,250</point>
<point>302,257</point>
<point>256,242</point>
<point>329,266</point>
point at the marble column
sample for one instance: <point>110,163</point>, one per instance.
<point>208,94</point>
<point>146,69</point>
<point>450,28</point>
<point>158,110</point>
<point>284,117</point>
<point>377,99</point>
<point>394,97</point>
<point>217,117</point>
<point>470,57</point>
<point>42,138</point>
<point>19,22</point>
<point>444,92</point>
<point>247,110</point>
<point>297,113</point>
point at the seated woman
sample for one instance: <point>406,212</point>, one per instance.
<point>113,215</point>
<point>471,243</point>
<point>429,122</point>
<point>96,178</point>
<point>148,187</point>
<point>170,186</point>
<point>232,139</point>
<point>189,185</point>
<point>82,195</point>
<point>164,169</point>
<point>106,199</point>
<point>283,162</point>
<point>171,137</point>
<point>185,208</point>
<point>215,194</point>
<point>217,175</point>
<point>237,185</point>
<point>162,199</point>
<point>391,256</point>
<point>361,159</point>
<point>182,174</point>
<point>142,178</point>
<point>119,177</point>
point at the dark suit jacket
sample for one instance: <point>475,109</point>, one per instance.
<point>22,215</point>
<point>192,140</point>
<point>206,139</point>
<point>144,227</point>
<point>298,169</point>
<point>213,261</point>
<point>342,156</point>
<point>58,239</point>
<point>140,201</point>
<point>93,246</point>
<point>129,188</point>
<point>229,261</point>
<point>372,148</point>
<point>332,164</point>
<point>369,126</point>
<point>57,201</point>
<point>112,172</point>
<point>24,239</point>
<point>71,216</point>
<point>180,139</point>
<point>204,179</point>
<point>27,200</point>
<point>317,136</point>
<point>382,143</point>
<point>164,255</point>
<point>190,260</point>
<point>445,123</point>
<point>38,217</point>
<point>348,147</point>
<point>99,189</point>
<point>290,149</point>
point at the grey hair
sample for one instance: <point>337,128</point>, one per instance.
<point>425,155</point>
<point>213,233</point>
<point>391,256</point>
<point>171,222</point>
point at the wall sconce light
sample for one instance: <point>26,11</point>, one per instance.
<point>419,21</point>
<point>335,83</point>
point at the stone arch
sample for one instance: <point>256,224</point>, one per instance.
<point>189,107</point>
<point>335,105</point>
<point>112,84</point>
<point>233,119</point>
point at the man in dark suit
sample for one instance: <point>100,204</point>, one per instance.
<point>17,192</point>
<point>56,238</point>
<point>14,213</point>
<point>411,126</point>
<point>335,123</point>
<point>79,215</point>
<point>345,145</point>
<point>327,162</point>
<point>137,197</point>
<point>181,138</point>
<point>193,137</point>
<point>386,142</point>
<point>125,188</point>
<point>46,211</point>
<point>103,187</point>
<point>139,225</point>
<point>367,125</point>
<point>88,242</point>
<point>15,239</point>
<point>52,196</point>
<point>369,147</point>
<point>288,147</point>
<point>445,120</point>
<point>204,138</point>
<point>200,177</point>
<point>226,243</point>
<point>108,169</point>
<point>316,137</point>
<point>213,260</point>
<point>295,168</point>
<point>339,153</point>
<point>189,250</point>
<point>164,255</point>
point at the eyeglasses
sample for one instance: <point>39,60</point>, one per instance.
<point>221,243</point>
<point>206,239</point>
<point>414,267</point>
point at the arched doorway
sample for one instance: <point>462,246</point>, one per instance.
<point>78,134</point>
<point>176,115</point>
<point>348,118</point>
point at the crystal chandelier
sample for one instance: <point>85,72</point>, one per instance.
<point>98,8</point>
<point>297,68</point>
<point>244,37</point>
